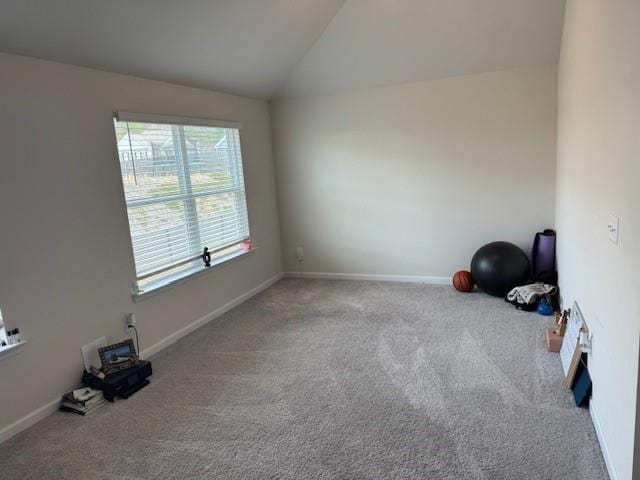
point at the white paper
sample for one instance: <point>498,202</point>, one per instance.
<point>90,353</point>
<point>570,341</point>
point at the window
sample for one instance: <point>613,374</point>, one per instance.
<point>3,332</point>
<point>184,190</point>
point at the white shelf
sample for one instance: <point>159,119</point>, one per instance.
<point>10,350</point>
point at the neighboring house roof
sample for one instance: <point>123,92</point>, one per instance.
<point>168,143</point>
<point>135,142</point>
<point>222,143</point>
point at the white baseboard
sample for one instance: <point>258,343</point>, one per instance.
<point>183,332</point>
<point>603,443</point>
<point>428,280</point>
<point>34,417</point>
<point>28,420</point>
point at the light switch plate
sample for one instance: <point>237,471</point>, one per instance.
<point>613,227</point>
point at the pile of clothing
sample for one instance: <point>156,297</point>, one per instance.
<point>530,297</point>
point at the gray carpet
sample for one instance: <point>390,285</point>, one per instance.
<point>317,379</point>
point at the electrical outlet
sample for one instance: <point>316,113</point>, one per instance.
<point>129,321</point>
<point>300,254</point>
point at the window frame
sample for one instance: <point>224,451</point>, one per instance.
<point>162,277</point>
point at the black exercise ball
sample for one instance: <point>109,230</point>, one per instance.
<point>498,267</point>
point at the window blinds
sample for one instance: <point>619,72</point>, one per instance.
<point>184,190</point>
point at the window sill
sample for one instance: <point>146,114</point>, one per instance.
<point>184,276</point>
<point>10,350</point>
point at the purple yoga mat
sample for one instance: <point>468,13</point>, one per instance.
<point>544,256</point>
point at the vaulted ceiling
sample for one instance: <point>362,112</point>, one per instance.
<point>267,48</point>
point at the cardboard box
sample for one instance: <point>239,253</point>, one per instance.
<point>554,342</point>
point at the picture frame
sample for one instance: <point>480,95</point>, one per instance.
<point>118,356</point>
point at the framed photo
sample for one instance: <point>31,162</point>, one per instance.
<point>118,357</point>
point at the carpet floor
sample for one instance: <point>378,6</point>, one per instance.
<point>318,379</point>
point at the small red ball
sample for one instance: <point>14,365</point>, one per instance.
<point>463,281</point>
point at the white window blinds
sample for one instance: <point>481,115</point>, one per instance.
<point>184,190</point>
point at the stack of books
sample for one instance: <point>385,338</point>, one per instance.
<point>82,401</point>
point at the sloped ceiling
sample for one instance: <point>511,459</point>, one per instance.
<point>384,42</point>
<point>267,48</point>
<point>245,47</point>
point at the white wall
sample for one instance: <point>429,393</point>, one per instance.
<point>66,263</point>
<point>598,174</point>
<point>413,179</point>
